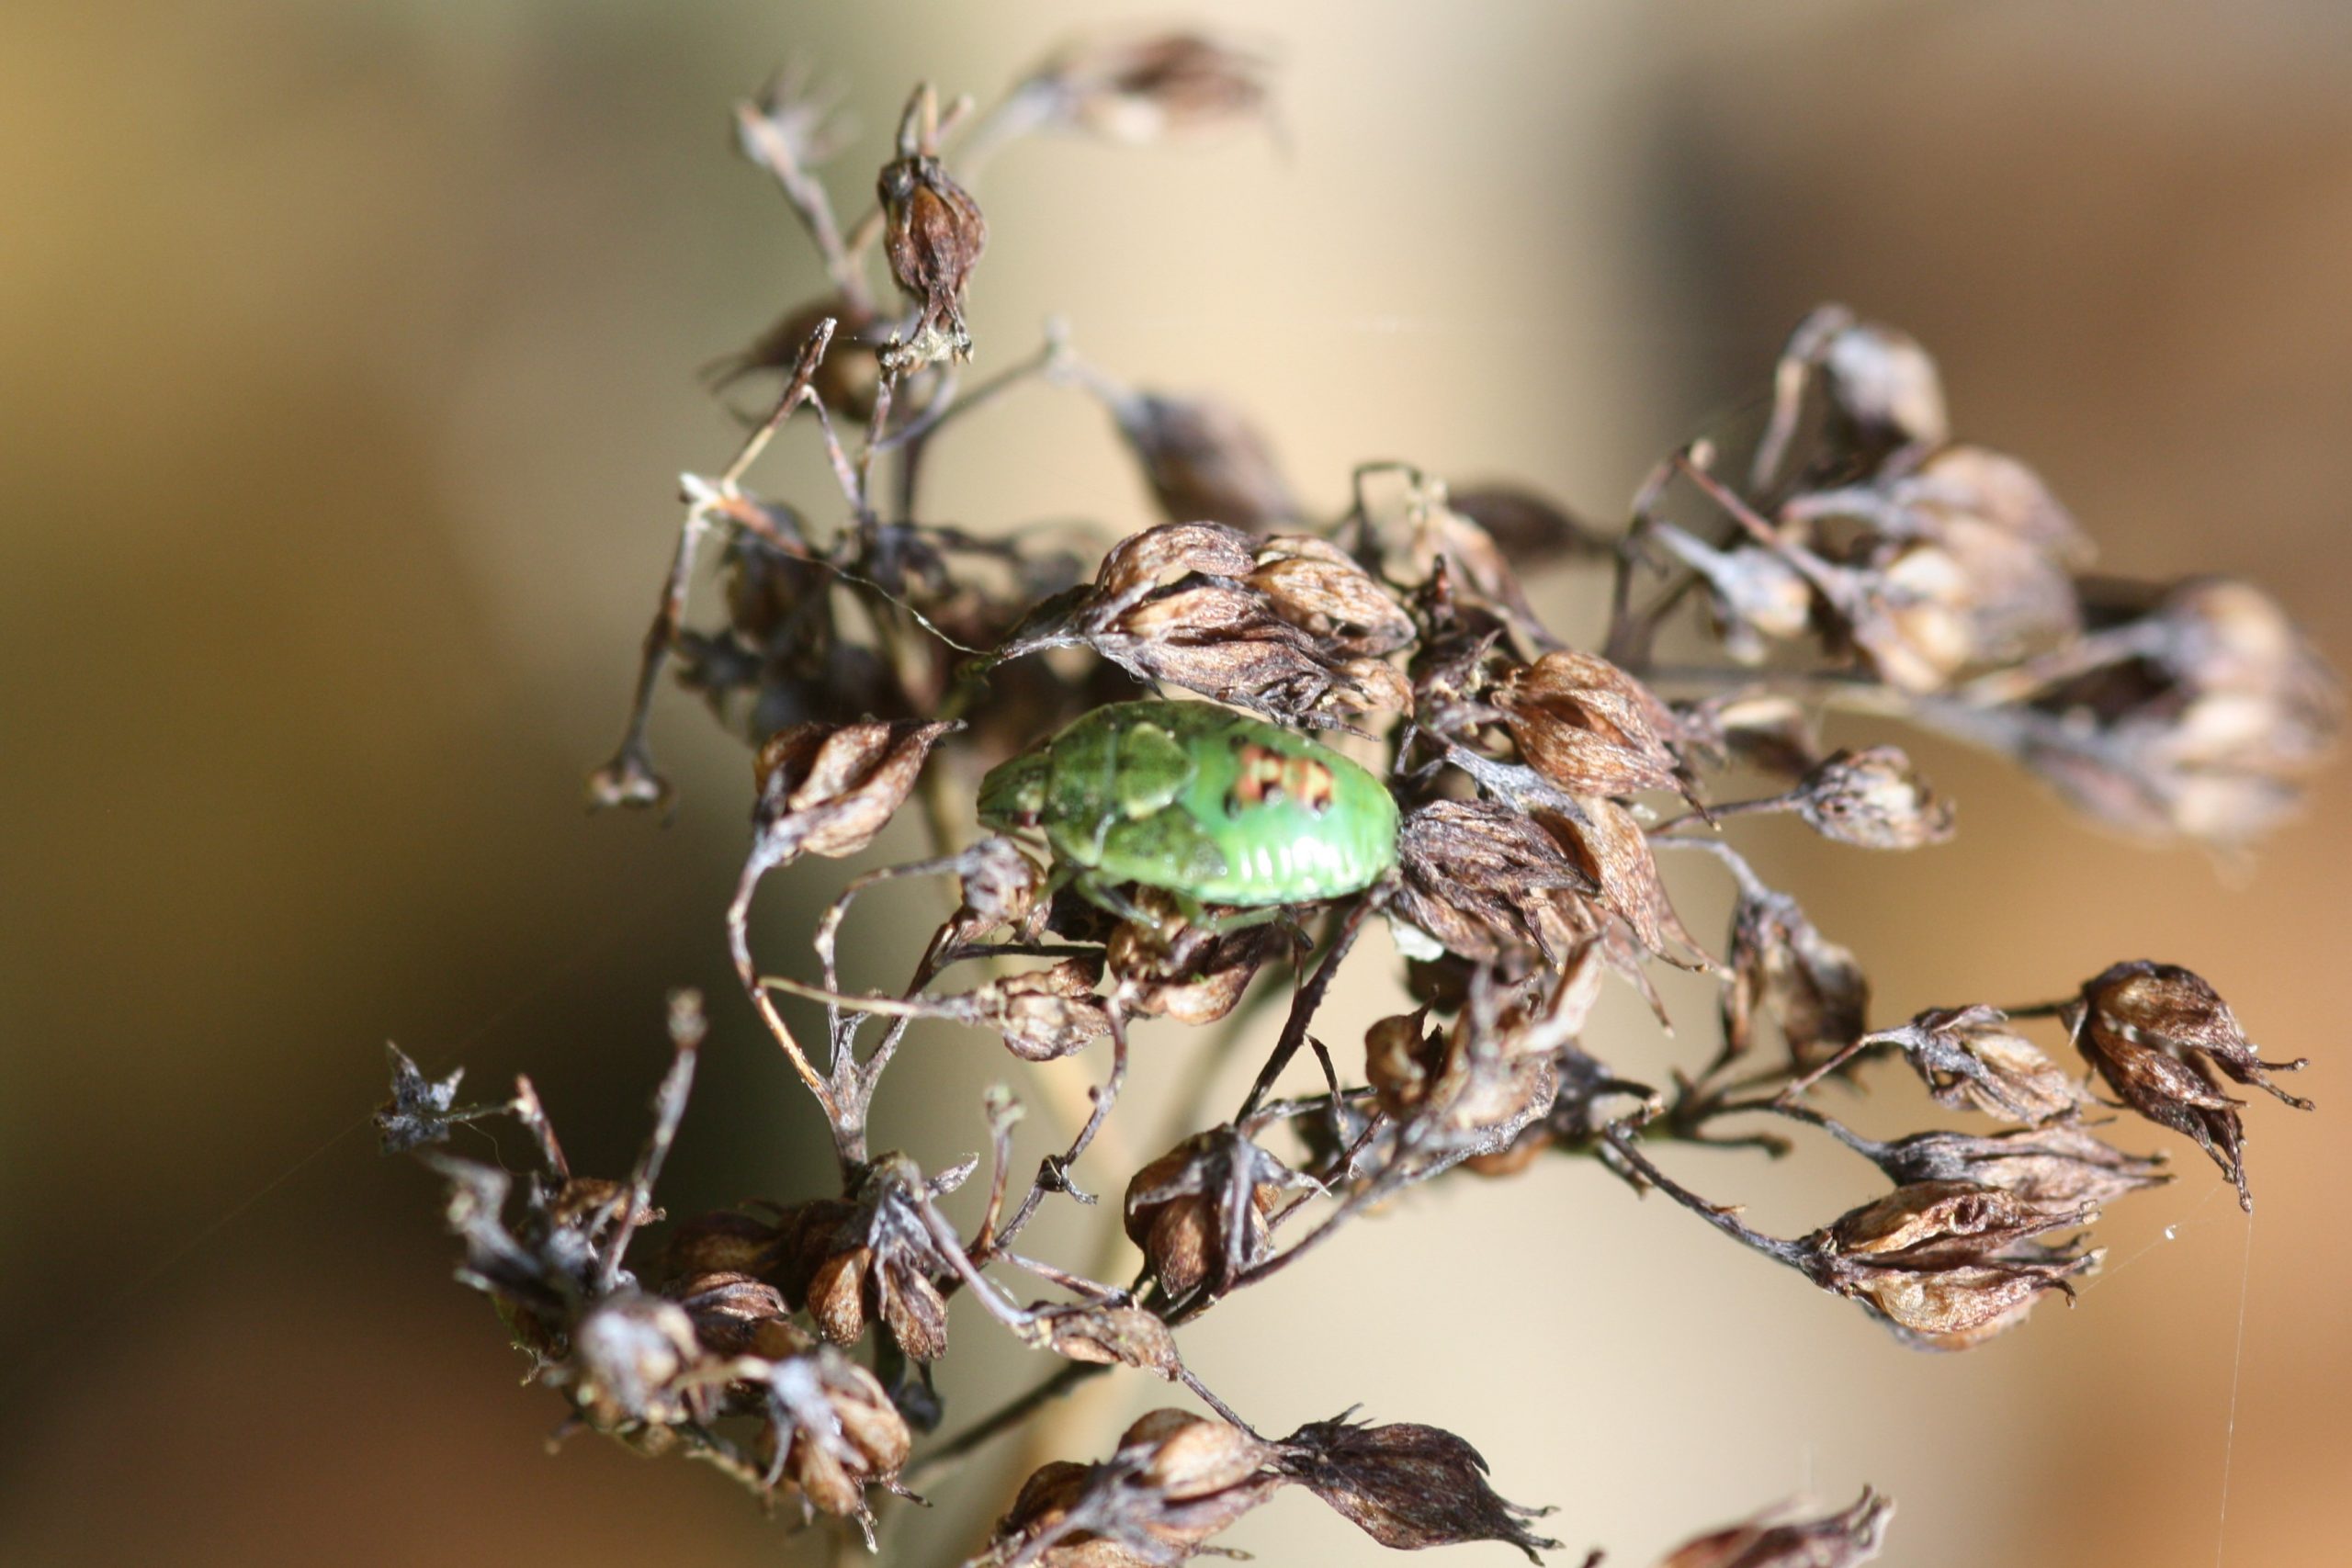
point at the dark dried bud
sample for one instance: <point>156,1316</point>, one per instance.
<point>2054,1167</point>
<point>1406,1486</point>
<point>829,789</point>
<point>1199,1211</point>
<point>1783,1538</point>
<point>2156,1033</point>
<point>1204,462</point>
<point>1873,799</point>
<point>1108,1335</point>
<point>1946,1264</point>
<point>1483,882</point>
<point>732,1313</point>
<point>1151,87</point>
<point>1176,1480</point>
<point>1783,968</point>
<point>1590,728</point>
<point>419,1112</point>
<point>1972,1060</point>
<point>1314,585</point>
<point>849,376</point>
<point>933,234</point>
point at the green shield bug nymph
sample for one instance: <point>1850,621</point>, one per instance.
<point>1201,802</point>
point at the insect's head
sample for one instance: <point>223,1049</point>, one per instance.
<point>1013,793</point>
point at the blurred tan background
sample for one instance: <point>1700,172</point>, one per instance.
<point>346,363</point>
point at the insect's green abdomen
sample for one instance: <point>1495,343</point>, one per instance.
<point>1203,802</point>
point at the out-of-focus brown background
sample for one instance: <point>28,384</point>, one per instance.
<point>346,362</point>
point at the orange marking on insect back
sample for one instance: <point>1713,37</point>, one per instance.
<point>1266,774</point>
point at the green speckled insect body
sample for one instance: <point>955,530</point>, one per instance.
<point>1198,801</point>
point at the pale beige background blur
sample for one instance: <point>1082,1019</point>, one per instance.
<point>346,363</point>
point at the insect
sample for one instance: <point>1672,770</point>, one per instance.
<point>1200,802</point>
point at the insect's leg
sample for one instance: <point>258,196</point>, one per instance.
<point>1105,895</point>
<point>1228,918</point>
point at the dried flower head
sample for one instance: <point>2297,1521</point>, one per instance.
<point>1199,1211</point>
<point>829,789</point>
<point>1971,1058</point>
<point>1203,461</point>
<point>1590,728</point>
<point>870,1256</point>
<point>1483,881</point>
<point>1175,1480</point>
<point>933,234</point>
<point>2061,1166</point>
<point>2156,1034</point>
<point>1784,969</point>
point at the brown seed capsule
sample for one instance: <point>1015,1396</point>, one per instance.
<point>1193,975</point>
<point>1475,1087</point>
<point>2156,1034</point>
<point>2061,1166</point>
<point>1046,1013</point>
<point>933,235</point>
<point>1406,1486</point>
<point>1946,1264</point>
<point>1590,728</point>
<point>1610,846</point>
<point>1314,585</point>
<point>1108,1335</point>
<point>1483,882</point>
<point>726,1242</point>
<point>1783,967</point>
<point>829,789</point>
<point>1970,1059</point>
<point>1883,387</point>
<point>1783,1538</point>
<point>831,1432</point>
<point>1199,1211</point>
<point>1204,462</point>
<point>1149,87</point>
<point>1175,1480</point>
<point>1873,799</point>
<point>629,1355</point>
<point>852,1260</point>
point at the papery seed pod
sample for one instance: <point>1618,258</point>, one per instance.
<point>1874,799</point>
<point>1475,1087</point>
<point>1973,483</point>
<point>1608,846</point>
<point>1524,528</point>
<point>1754,596</point>
<point>831,1432</point>
<point>1315,586</point>
<point>1785,1538</point>
<point>2156,1034</point>
<point>1199,1211</point>
<point>1972,1060</point>
<point>1783,968</point>
<point>629,1355</point>
<point>851,1261</point>
<point>1193,975</point>
<point>846,379</point>
<point>1046,1013</point>
<point>933,234</point>
<point>1406,1486</point>
<point>829,789</point>
<point>1204,462</point>
<point>1483,882</point>
<point>1590,728</point>
<point>2195,710</point>
<point>1148,87</point>
<point>725,1242</point>
<point>1175,1480</point>
<point>1946,1264</point>
<point>1108,1335</point>
<point>730,1311</point>
<point>1884,388</point>
<point>2061,1166</point>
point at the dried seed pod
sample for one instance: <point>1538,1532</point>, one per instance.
<point>1148,87</point>
<point>1483,882</point>
<point>2197,709</point>
<point>1973,483</point>
<point>1204,462</point>
<point>724,1242</point>
<point>1874,799</point>
<point>1473,1088</point>
<point>830,1430</point>
<point>1609,847</point>
<point>1946,1264</point>
<point>1175,1480</point>
<point>1883,389</point>
<point>1311,583</point>
<point>829,789</point>
<point>870,1256</point>
<point>1754,596</point>
<point>1972,1060</point>
<point>1108,1335</point>
<point>2156,1033</point>
<point>851,373</point>
<point>2054,1167</point>
<point>1784,1537</point>
<point>732,1313</point>
<point>1406,1486</point>
<point>1199,1211</point>
<point>1046,1013</point>
<point>1191,974</point>
<point>933,234</point>
<point>1590,728</point>
<point>629,1355</point>
<point>1783,967</point>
